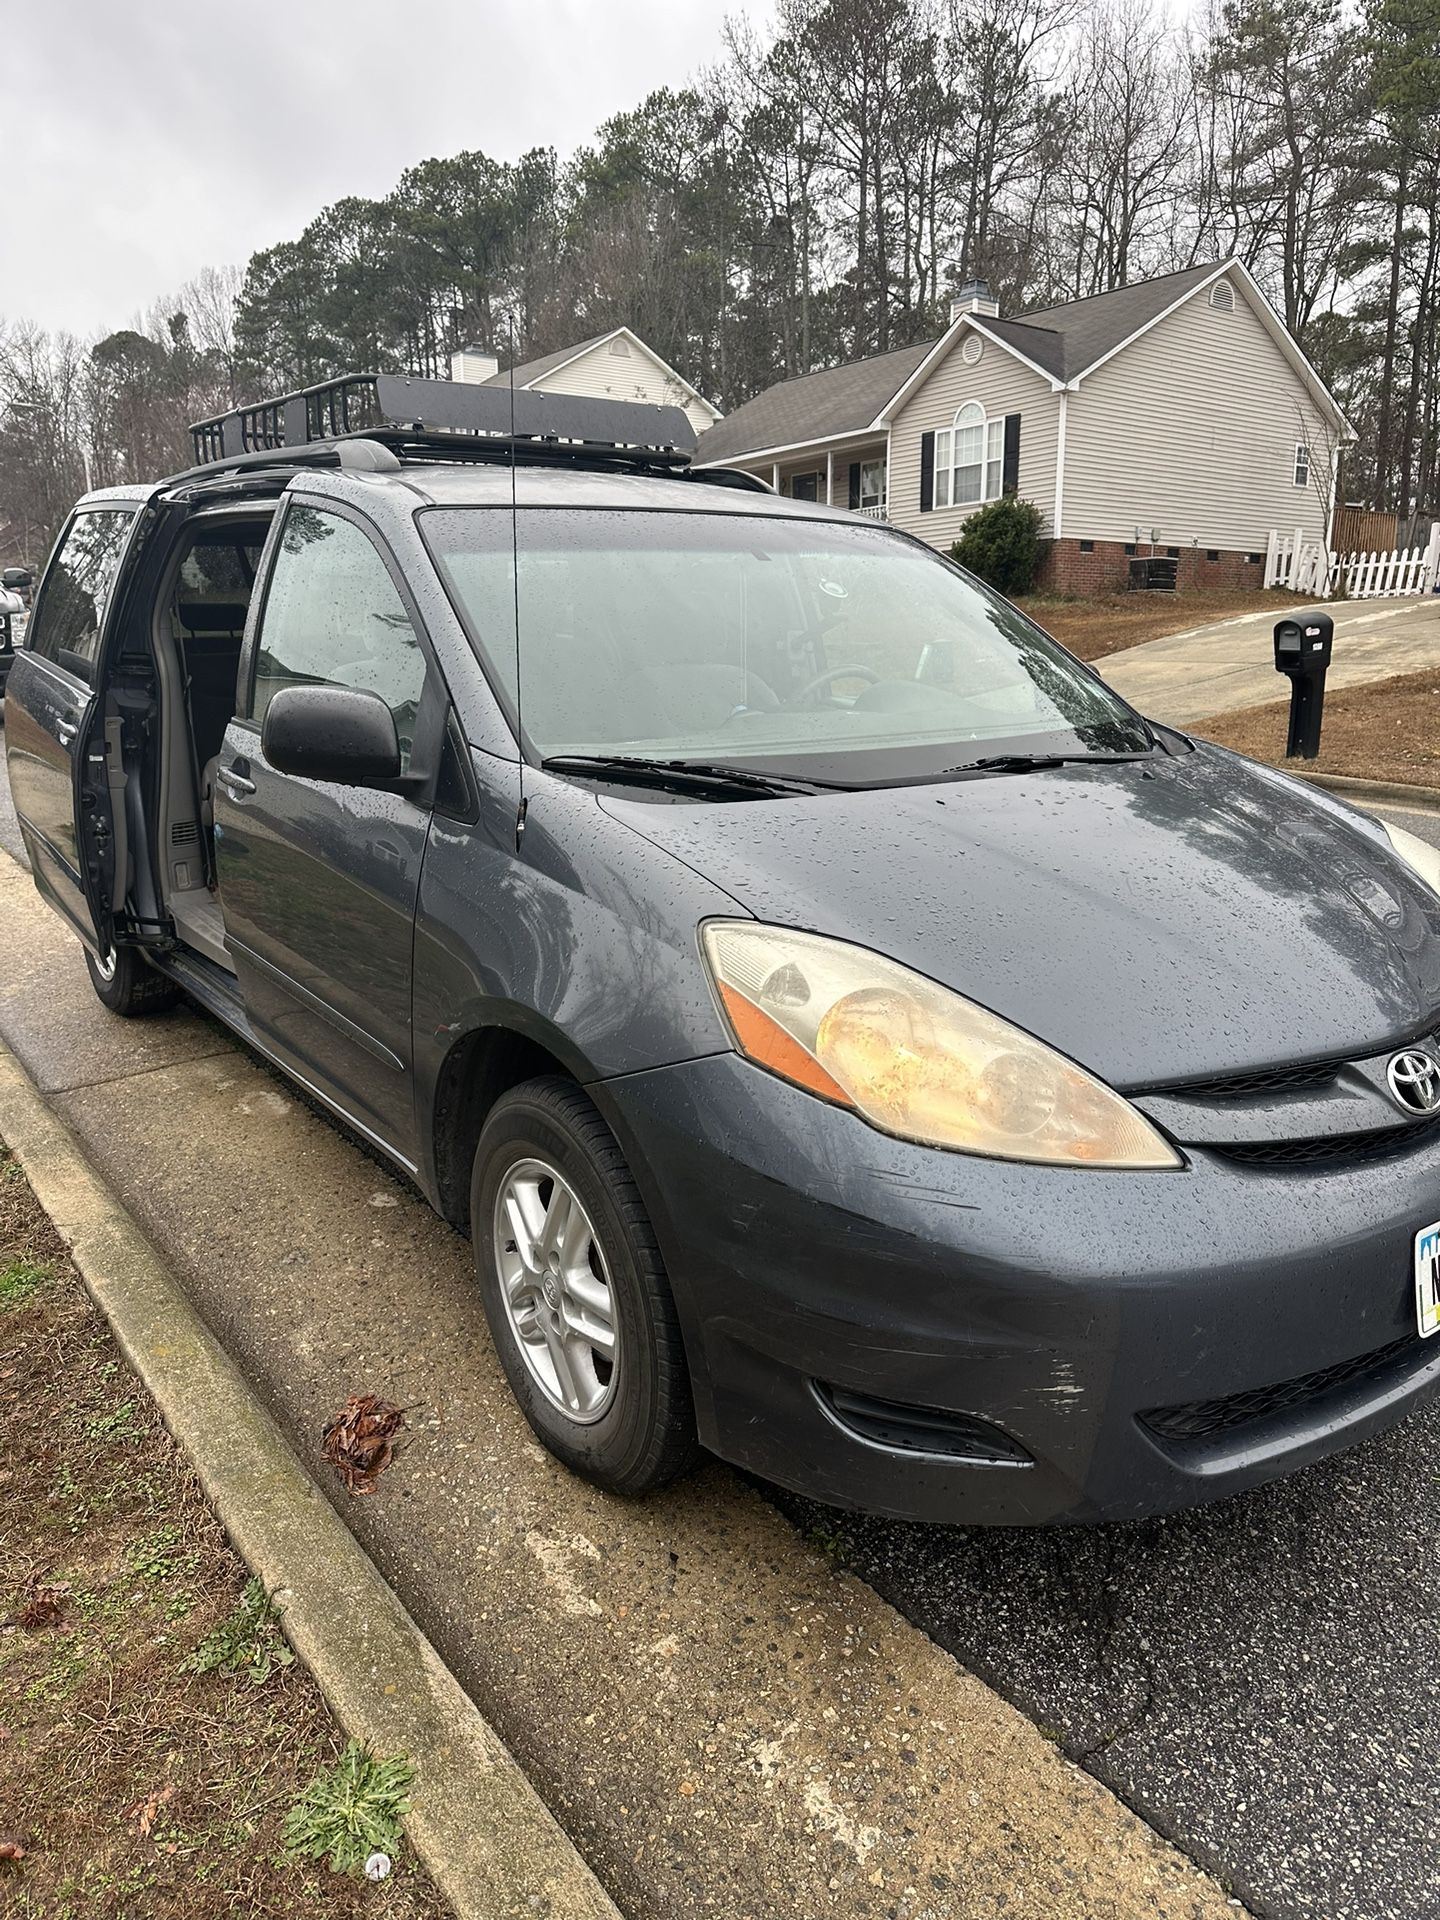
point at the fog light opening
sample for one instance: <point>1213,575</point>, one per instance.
<point>927,1430</point>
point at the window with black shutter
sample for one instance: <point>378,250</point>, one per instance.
<point>1010,470</point>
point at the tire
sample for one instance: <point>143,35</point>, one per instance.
<point>627,1422</point>
<point>129,985</point>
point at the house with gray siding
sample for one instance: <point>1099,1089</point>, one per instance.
<point>1176,417</point>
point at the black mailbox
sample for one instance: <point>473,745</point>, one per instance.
<point>1302,651</point>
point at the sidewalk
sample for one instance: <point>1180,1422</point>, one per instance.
<point>1208,670</point>
<point>724,1722</point>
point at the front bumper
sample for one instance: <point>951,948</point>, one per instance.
<point>810,1253</point>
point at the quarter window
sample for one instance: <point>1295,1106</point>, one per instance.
<point>334,618</point>
<point>969,459</point>
<point>67,623</point>
<point>1302,464</point>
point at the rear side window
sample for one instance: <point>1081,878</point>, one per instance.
<point>333,617</point>
<point>67,622</point>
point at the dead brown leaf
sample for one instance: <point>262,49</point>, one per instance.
<point>360,1441</point>
<point>43,1605</point>
<point>12,1851</point>
<point>147,1812</point>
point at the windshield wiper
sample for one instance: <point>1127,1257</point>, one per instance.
<point>682,776</point>
<point>1031,762</point>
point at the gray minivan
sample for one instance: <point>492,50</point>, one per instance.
<point>856,1041</point>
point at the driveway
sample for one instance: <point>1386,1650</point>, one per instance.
<point>1258,1679</point>
<point>1189,676</point>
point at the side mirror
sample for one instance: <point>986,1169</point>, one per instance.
<point>332,733</point>
<point>17,579</point>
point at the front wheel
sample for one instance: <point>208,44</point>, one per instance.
<point>575,1291</point>
<point>127,984</point>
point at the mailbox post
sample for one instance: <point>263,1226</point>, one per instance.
<point>1302,651</point>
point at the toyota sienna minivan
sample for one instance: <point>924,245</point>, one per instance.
<point>854,1039</point>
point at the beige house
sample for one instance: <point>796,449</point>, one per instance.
<point>611,366</point>
<point>1174,420</point>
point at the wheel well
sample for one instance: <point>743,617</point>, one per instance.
<point>477,1070</point>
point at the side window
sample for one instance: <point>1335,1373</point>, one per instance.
<point>77,589</point>
<point>333,618</point>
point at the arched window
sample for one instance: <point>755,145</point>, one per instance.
<point>969,459</point>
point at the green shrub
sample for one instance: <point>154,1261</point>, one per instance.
<point>1002,544</point>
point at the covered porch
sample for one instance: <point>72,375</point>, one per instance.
<point>850,475</point>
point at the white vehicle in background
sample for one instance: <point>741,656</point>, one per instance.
<point>15,585</point>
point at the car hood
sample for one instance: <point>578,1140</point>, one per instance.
<point>1157,920</point>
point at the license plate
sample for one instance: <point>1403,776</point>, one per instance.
<point>1427,1279</point>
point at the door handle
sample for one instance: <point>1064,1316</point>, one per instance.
<point>66,730</point>
<point>235,784</point>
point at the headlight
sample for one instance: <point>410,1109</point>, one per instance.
<point>913,1058</point>
<point>1422,859</point>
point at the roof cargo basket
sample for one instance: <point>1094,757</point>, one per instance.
<point>449,418</point>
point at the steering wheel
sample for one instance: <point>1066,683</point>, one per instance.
<point>833,673</point>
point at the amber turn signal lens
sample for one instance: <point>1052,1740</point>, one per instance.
<point>766,1042</point>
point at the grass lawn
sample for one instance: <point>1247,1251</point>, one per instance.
<point>1382,730</point>
<point>1093,628</point>
<point>155,1731</point>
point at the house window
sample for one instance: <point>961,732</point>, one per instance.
<point>1212,553</point>
<point>806,486</point>
<point>969,459</point>
<point>1129,546</point>
<point>1302,464</point>
<point>1087,546</point>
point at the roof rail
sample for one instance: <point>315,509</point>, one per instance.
<point>416,416</point>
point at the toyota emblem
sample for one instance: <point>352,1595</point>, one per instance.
<point>1414,1079</point>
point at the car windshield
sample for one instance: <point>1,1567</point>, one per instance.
<point>756,641</point>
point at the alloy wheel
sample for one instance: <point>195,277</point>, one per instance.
<point>556,1287</point>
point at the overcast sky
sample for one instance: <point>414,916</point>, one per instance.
<point>141,142</point>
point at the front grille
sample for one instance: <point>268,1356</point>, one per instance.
<point>890,1423</point>
<point>1333,1149</point>
<point>1242,1086</point>
<point>1202,1419</point>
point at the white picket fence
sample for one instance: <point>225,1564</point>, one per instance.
<point>1308,566</point>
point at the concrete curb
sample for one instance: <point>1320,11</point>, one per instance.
<point>480,1829</point>
<point>1396,792</point>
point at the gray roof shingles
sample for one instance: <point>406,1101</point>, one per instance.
<point>1063,341</point>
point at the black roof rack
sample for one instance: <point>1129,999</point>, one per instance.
<point>449,419</point>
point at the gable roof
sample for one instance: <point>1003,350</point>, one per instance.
<point>1084,331</point>
<point>813,406</point>
<point>528,372</point>
<point>1060,343</point>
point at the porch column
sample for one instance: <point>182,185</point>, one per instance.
<point>830,477</point>
<point>775,476</point>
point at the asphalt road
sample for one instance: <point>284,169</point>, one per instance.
<point>1259,1679</point>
